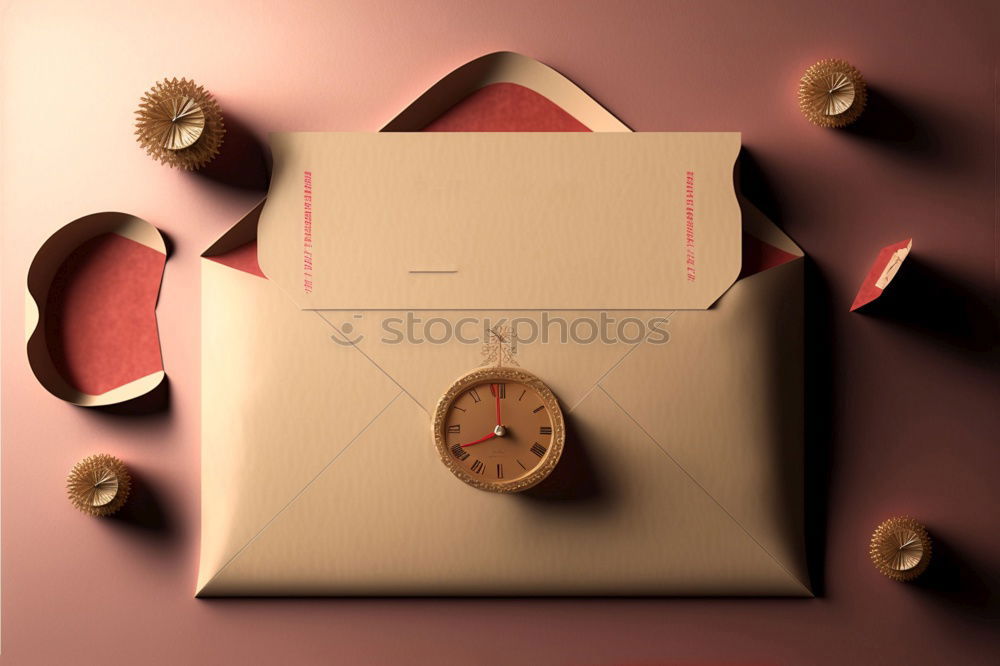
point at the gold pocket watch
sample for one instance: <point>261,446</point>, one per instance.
<point>499,429</point>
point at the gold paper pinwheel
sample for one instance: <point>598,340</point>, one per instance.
<point>901,548</point>
<point>179,123</point>
<point>98,485</point>
<point>832,93</point>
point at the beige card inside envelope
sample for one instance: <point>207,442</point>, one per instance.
<point>502,220</point>
<point>682,472</point>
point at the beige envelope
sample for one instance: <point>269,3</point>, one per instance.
<point>390,257</point>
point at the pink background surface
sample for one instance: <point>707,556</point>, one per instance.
<point>903,403</point>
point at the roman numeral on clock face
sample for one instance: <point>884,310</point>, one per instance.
<point>545,430</point>
<point>538,409</point>
<point>499,389</point>
<point>475,395</point>
<point>459,452</point>
<point>455,428</point>
<point>499,471</point>
<point>538,449</point>
<point>478,467</point>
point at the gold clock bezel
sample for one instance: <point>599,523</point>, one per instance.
<point>485,375</point>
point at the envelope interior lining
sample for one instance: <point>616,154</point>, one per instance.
<point>242,258</point>
<point>759,256</point>
<point>505,107</point>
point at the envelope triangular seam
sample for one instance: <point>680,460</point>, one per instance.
<point>603,375</point>
<point>597,382</point>
<point>300,493</point>
<point>385,372</point>
<point>704,490</point>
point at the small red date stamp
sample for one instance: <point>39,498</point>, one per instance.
<point>689,225</point>
<point>307,231</point>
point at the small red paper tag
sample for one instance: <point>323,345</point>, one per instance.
<point>882,272</point>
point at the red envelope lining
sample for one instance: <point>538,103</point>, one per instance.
<point>100,314</point>
<point>506,107</point>
<point>759,256</point>
<point>242,258</point>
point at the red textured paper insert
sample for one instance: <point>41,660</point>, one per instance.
<point>100,316</point>
<point>506,107</point>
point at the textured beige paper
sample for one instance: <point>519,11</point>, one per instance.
<point>432,220</point>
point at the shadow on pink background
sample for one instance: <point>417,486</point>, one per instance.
<point>902,402</point>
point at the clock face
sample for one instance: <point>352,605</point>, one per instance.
<point>499,429</point>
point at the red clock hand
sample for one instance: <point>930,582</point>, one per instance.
<point>481,439</point>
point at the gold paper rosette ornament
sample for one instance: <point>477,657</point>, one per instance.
<point>179,123</point>
<point>901,548</point>
<point>832,93</point>
<point>98,485</point>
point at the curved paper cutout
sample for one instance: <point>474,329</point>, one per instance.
<point>504,67</point>
<point>90,314</point>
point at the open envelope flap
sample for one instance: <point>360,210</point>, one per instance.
<point>527,96</point>
<point>502,220</point>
